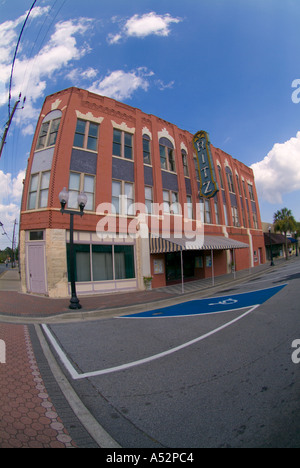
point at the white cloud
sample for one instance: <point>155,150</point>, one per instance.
<point>162,86</point>
<point>78,74</point>
<point>121,85</point>
<point>279,172</point>
<point>10,201</point>
<point>31,75</point>
<point>11,187</point>
<point>145,25</point>
<point>9,31</point>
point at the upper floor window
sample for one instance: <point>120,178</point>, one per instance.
<point>205,211</point>
<point>197,168</point>
<point>217,212</point>
<point>167,155</point>
<point>185,163</point>
<point>251,193</point>
<point>48,134</point>
<point>149,199</point>
<point>80,182</point>
<point>170,202</point>
<point>146,149</point>
<point>38,190</point>
<point>221,177</point>
<point>244,188</point>
<point>225,214</point>
<point>122,144</point>
<point>123,197</point>
<point>235,216</point>
<point>255,220</point>
<point>86,135</point>
<point>230,180</point>
<point>238,184</point>
<point>189,203</point>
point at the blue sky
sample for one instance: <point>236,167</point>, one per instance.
<point>229,67</point>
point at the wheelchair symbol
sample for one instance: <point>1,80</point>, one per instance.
<point>225,302</point>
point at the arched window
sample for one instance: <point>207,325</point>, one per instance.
<point>167,155</point>
<point>230,180</point>
<point>221,178</point>
<point>49,129</point>
<point>185,163</point>
<point>146,149</point>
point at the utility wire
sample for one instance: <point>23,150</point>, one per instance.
<point>15,55</point>
<point>4,233</point>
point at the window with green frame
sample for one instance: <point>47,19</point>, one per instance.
<point>102,262</point>
<point>82,264</point>
<point>124,262</point>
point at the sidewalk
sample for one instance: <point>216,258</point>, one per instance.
<point>28,418</point>
<point>16,306</point>
<point>34,411</point>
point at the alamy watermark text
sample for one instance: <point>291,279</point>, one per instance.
<point>296,93</point>
<point>2,352</point>
<point>296,353</point>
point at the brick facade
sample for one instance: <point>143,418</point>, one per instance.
<point>76,136</point>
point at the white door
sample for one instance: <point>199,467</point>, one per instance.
<point>36,268</point>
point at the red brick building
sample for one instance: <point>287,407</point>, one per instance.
<point>123,158</point>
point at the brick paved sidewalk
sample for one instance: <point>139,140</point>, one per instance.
<point>28,417</point>
<point>14,303</point>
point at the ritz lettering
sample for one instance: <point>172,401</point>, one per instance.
<point>208,184</point>
<point>205,169</point>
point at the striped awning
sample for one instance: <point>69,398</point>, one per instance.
<point>171,244</point>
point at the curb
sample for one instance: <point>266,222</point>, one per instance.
<point>105,313</point>
<point>96,431</point>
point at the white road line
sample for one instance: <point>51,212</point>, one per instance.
<point>76,376</point>
<point>162,317</point>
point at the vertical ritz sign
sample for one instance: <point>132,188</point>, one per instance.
<point>208,182</point>
<point>2,352</point>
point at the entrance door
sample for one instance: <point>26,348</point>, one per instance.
<point>36,268</point>
<point>173,266</point>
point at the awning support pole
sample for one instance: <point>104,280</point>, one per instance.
<point>234,265</point>
<point>182,278</point>
<point>212,268</point>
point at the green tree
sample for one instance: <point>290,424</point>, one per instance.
<point>284,222</point>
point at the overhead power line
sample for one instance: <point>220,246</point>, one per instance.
<point>11,114</point>
<point>9,122</point>
<point>15,55</point>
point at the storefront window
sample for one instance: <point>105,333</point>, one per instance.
<point>124,262</point>
<point>82,262</point>
<point>102,262</point>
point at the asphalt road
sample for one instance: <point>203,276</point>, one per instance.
<point>222,379</point>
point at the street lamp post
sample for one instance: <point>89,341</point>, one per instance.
<point>271,250</point>
<point>82,200</point>
<point>296,239</point>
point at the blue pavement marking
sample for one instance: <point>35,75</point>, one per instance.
<point>212,305</point>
